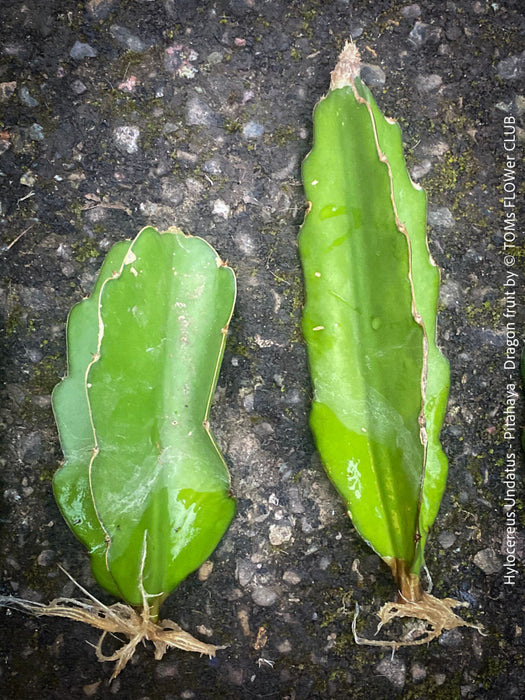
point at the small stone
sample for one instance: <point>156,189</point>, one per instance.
<point>11,495</point>
<point>511,68</point>
<point>80,51</point>
<point>427,83</point>
<point>520,105</point>
<point>421,169</point>
<point>372,75</point>
<point>36,132</point>
<point>411,12</point>
<point>438,149</point>
<point>279,534</point>
<point>91,689</point>
<point>244,572</point>
<point>488,561</point>
<point>453,32</point>
<point>394,670</point>
<point>446,539</point>
<point>7,90</point>
<point>291,577</point>
<point>30,447</point>
<point>422,33</point>
<point>25,98</point>
<point>126,139</point>
<point>198,113</point>
<point>129,84</point>
<point>78,87</point>
<point>205,570</point>
<point>178,59</point>
<point>169,128</point>
<point>324,562</point>
<point>127,39</point>
<point>284,647</point>
<point>212,167</point>
<point>172,192</point>
<point>418,672</point>
<point>452,639</point>
<point>100,9</point>
<point>440,217</point>
<point>220,208</point>
<point>264,596</point>
<point>46,558</point>
<point>214,57</point>
<point>253,130</point>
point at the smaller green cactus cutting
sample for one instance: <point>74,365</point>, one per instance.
<point>380,381</point>
<point>144,485</point>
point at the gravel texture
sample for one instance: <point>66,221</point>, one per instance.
<point>117,114</point>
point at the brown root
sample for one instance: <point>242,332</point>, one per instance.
<point>436,615</point>
<point>117,619</point>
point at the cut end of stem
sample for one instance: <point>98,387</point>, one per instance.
<point>347,68</point>
<point>120,619</point>
<point>436,614</point>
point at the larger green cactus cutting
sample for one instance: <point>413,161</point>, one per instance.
<point>380,381</point>
<point>144,485</point>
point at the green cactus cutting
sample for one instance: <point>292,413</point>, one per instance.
<point>144,485</point>
<point>380,381</point>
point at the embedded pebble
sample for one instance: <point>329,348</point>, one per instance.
<point>411,12</point>
<point>78,87</point>
<point>11,495</point>
<point>7,90</point>
<point>422,33</point>
<point>244,571</point>
<point>126,139</point>
<point>512,68</point>
<point>212,167</point>
<point>520,104</point>
<point>127,39</point>
<point>220,208</point>
<point>372,75</point>
<point>253,130</point>
<point>81,50</point>
<point>394,670</point>
<point>427,83</point>
<point>29,446</point>
<point>488,561</point>
<point>198,113</point>
<point>264,596</point>
<point>418,672</point>
<point>91,689</point>
<point>36,132</point>
<point>172,192</point>
<point>178,59</point>
<point>46,558</point>
<point>291,577</point>
<point>453,32</point>
<point>446,539</point>
<point>215,57</point>
<point>421,169</point>
<point>440,217</point>
<point>205,570</point>
<point>279,534</point>
<point>451,638</point>
<point>26,98</point>
<point>100,9</point>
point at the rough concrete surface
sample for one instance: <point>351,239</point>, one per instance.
<point>115,114</point>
